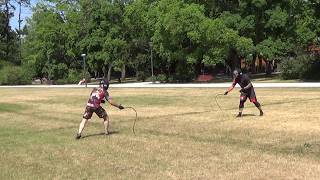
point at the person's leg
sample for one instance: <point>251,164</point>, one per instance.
<point>103,114</point>
<point>106,125</point>
<point>257,104</point>
<point>259,107</point>
<point>86,116</point>
<point>81,127</point>
<point>243,99</point>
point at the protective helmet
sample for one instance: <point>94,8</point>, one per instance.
<point>236,73</point>
<point>104,84</point>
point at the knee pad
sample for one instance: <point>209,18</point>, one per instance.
<point>241,105</point>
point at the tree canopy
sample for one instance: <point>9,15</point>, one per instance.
<point>183,35</point>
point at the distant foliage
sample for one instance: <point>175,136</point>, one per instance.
<point>161,78</point>
<point>182,36</point>
<point>301,67</point>
<point>72,77</point>
<point>14,75</point>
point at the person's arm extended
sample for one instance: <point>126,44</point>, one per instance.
<point>230,88</point>
<point>115,104</point>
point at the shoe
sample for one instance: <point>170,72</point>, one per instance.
<point>106,133</point>
<point>239,115</point>
<point>261,113</point>
<point>78,136</point>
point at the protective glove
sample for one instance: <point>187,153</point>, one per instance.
<point>226,93</point>
<point>121,107</point>
<point>242,90</point>
<point>103,101</point>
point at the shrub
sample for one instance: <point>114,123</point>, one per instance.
<point>184,72</point>
<point>141,76</point>
<point>312,71</point>
<point>161,78</point>
<point>73,77</point>
<point>302,67</point>
<point>14,75</point>
<point>290,68</point>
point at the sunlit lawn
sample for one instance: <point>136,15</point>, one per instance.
<point>180,134</point>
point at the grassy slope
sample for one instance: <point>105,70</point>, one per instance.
<point>181,134</point>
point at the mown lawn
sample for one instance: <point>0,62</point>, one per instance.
<point>180,134</point>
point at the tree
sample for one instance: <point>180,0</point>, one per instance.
<point>45,43</point>
<point>2,35</point>
<point>176,36</point>
<point>21,3</point>
<point>185,34</point>
<point>8,36</point>
<point>138,23</point>
<point>104,41</point>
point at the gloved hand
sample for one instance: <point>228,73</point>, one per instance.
<point>121,107</point>
<point>241,90</point>
<point>226,93</point>
<point>103,101</point>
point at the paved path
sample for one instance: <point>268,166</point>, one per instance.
<point>190,85</point>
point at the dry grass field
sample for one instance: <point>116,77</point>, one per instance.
<point>180,134</point>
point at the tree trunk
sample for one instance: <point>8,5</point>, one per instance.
<point>199,68</point>
<point>233,60</point>
<point>269,68</point>
<point>123,72</point>
<point>253,64</point>
<point>109,71</point>
<point>19,33</point>
<point>260,67</point>
<point>7,30</point>
<point>104,71</point>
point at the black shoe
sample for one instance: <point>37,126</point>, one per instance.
<point>261,113</point>
<point>78,136</point>
<point>239,115</point>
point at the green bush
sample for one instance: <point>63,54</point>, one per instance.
<point>161,78</point>
<point>141,76</point>
<point>313,71</point>
<point>184,72</point>
<point>59,71</point>
<point>290,68</point>
<point>29,71</point>
<point>300,67</point>
<point>61,81</point>
<point>4,63</point>
<point>14,75</point>
<point>73,77</point>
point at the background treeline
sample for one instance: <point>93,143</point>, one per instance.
<point>183,37</point>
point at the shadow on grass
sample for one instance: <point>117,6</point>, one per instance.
<point>248,115</point>
<point>227,109</point>
<point>100,134</point>
<point>230,138</point>
<point>278,103</point>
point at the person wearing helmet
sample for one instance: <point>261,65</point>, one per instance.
<point>98,96</point>
<point>247,91</point>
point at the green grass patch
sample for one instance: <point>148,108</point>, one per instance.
<point>149,100</point>
<point>10,107</point>
<point>180,134</point>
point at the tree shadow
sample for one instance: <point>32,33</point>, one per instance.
<point>99,134</point>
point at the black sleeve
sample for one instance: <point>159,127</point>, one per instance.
<point>107,96</point>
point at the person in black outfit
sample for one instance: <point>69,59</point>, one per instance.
<point>247,91</point>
